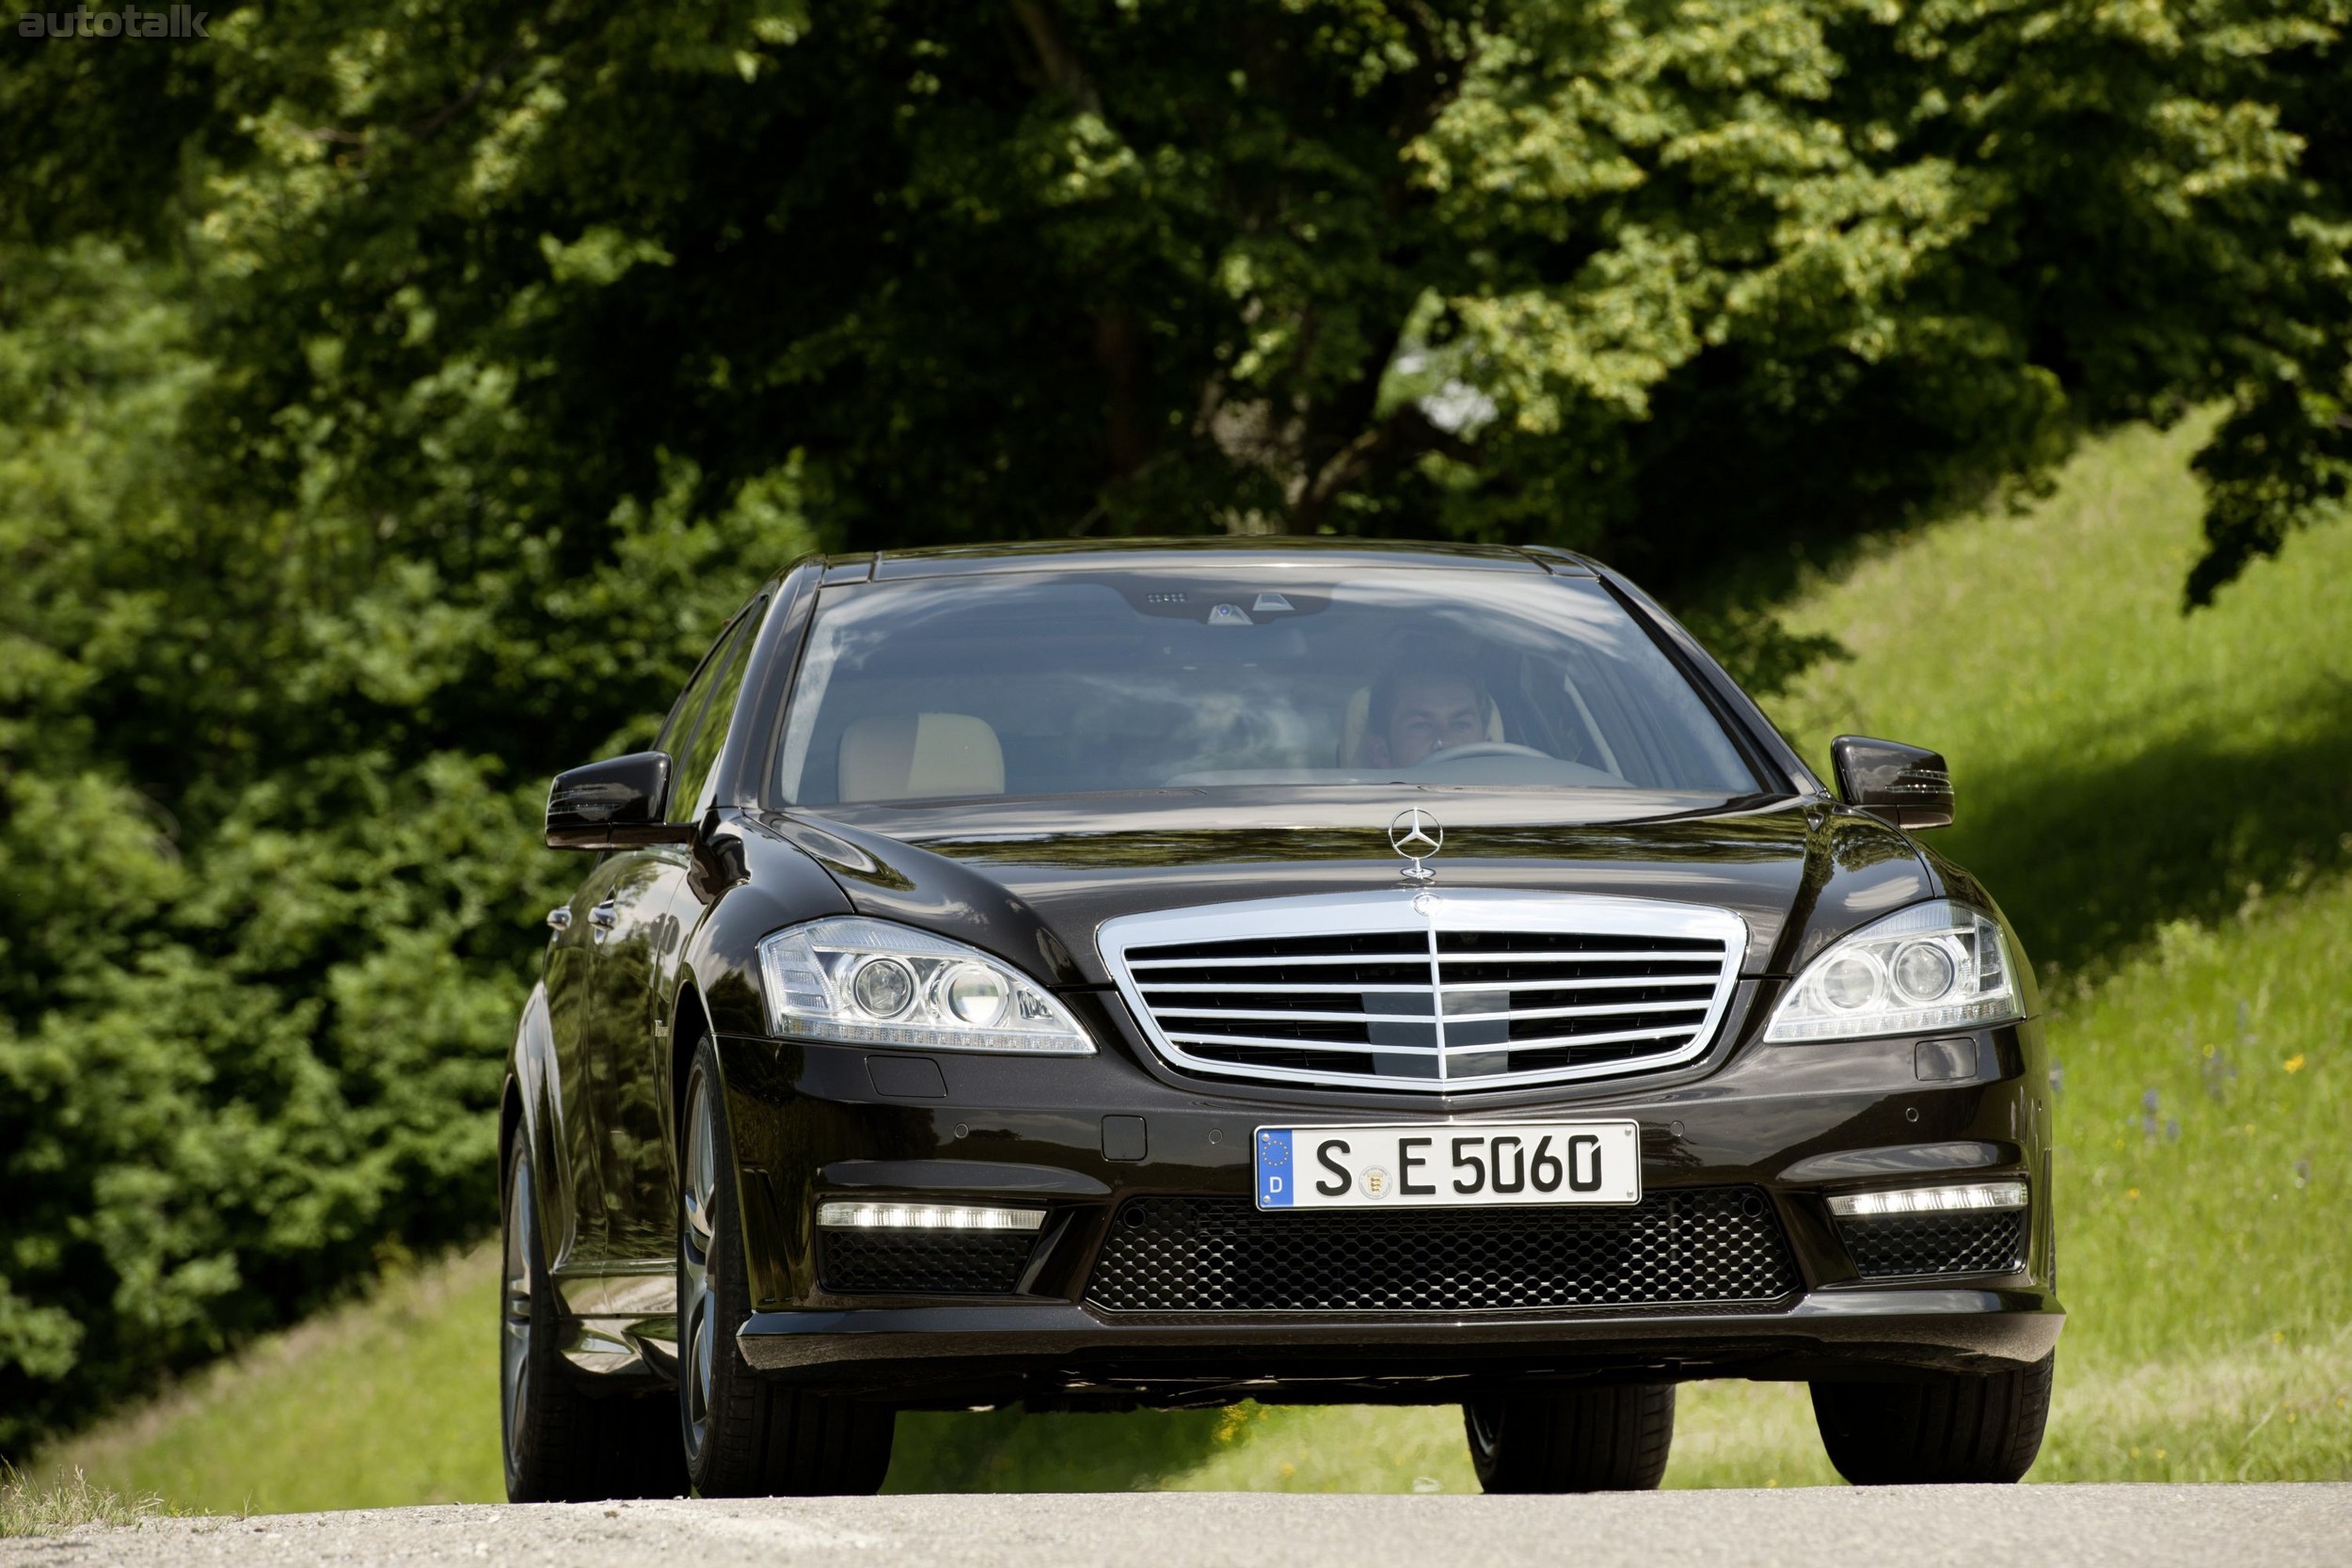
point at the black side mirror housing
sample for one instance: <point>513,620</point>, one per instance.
<point>1902,786</point>
<point>613,805</point>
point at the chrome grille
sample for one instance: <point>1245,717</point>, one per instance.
<point>1430,991</point>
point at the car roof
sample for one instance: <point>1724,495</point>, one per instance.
<point>1194,555</point>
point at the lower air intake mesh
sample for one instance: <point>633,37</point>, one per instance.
<point>1907,1245</point>
<point>1703,1247</point>
<point>933,1262</point>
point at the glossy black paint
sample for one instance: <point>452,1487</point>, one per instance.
<point>1905,785</point>
<point>597,1060</point>
<point>1031,880</point>
<point>1801,1121</point>
<point>611,804</point>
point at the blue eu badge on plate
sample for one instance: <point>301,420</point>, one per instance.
<point>1274,1167</point>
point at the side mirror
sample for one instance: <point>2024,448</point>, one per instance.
<point>613,805</point>
<point>1902,786</point>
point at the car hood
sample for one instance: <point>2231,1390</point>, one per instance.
<point>1033,880</point>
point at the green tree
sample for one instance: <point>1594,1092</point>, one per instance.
<point>1662,279</point>
<point>268,856</point>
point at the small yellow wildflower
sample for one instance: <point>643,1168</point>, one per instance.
<point>2295,1063</point>
<point>2131,1192</point>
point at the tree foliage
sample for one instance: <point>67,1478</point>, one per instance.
<point>1655,278</point>
<point>394,393</point>
<point>270,777</point>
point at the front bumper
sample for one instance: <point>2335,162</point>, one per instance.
<point>1062,1350</point>
<point>1797,1123</point>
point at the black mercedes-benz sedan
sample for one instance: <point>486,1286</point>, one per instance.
<point>1173,974</point>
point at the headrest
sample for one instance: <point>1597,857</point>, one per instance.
<point>911,756</point>
<point>1358,715</point>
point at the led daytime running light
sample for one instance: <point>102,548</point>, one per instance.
<point>1974,1197</point>
<point>925,1216</point>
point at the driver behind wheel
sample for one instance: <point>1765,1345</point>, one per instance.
<point>1421,708</point>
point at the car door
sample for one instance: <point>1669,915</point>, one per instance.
<point>571,983</point>
<point>638,932</point>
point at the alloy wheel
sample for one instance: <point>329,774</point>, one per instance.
<point>695,1306</point>
<point>514,1325</point>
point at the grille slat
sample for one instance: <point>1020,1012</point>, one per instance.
<point>1445,990</point>
<point>1645,956</point>
<point>1306,1040</point>
<point>1591,1009</point>
<point>1332,947</point>
<point>1717,1247</point>
<point>1150,985</point>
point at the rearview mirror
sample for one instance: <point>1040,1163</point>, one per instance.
<point>613,805</point>
<point>1902,786</point>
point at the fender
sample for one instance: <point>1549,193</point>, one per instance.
<point>716,962</point>
<point>780,885</point>
<point>1858,869</point>
<point>717,974</point>
<point>532,1073</point>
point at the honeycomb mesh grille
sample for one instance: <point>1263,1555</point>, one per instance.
<point>859,1262</point>
<point>1702,1247</point>
<point>1896,1246</point>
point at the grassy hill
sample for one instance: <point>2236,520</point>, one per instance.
<point>2162,803</point>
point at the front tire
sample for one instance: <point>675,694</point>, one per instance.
<point>746,1436</point>
<point>564,1443</point>
<point>1606,1439</point>
<point>1940,1429</point>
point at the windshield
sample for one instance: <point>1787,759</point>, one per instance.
<point>1082,683</point>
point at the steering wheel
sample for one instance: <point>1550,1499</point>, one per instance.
<point>1477,749</point>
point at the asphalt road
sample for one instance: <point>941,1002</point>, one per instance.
<point>2061,1526</point>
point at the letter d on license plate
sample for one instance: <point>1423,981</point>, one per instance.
<point>1435,1165</point>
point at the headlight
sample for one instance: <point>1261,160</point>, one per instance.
<point>1932,966</point>
<point>868,982</point>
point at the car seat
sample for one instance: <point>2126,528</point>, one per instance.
<point>914,756</point>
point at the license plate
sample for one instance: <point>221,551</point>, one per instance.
<point>1480,1165</point>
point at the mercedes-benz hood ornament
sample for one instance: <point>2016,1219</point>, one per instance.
<point>1416,835</point>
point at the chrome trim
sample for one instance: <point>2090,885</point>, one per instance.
<point>1414,827</point>
<point>1429,912</point>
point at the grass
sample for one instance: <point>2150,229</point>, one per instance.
<point>2120,765</point>
<point>389,1401</point>
<point>2161,803</point>
<point>29,1507</point>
